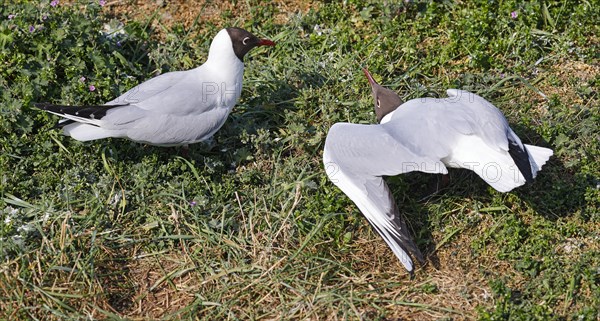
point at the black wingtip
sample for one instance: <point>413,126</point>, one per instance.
<point>420,258</point>
<point>521,158</point>
<point>90,111</point>
<point>42,106</point>
<point>47,106</point>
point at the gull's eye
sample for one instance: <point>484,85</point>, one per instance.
<point>378,103</point>
<point>245,41</point>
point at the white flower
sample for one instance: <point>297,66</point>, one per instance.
<point>10,214</point>
<point>12,211</point>
<point>25,228</point>
<point>18,240</point>
<point>317,29</point>
<point>113,29</point>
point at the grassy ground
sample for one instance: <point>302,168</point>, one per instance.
<point>248,227</point>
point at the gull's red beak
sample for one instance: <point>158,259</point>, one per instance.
<point>266,42</point>
<point>369,77</point>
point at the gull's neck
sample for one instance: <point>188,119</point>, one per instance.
<point>222,60</point>
<point>223,69</point>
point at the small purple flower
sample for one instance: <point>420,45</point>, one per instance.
<point>82,79</point>
<point>193,203</point>
<point>92,87</point>
<point>514,14</point>
<point>102,3</point>
<point>118,44</point>
<point>11,16</point>
<point>31,28</point>
<point>54,3</point>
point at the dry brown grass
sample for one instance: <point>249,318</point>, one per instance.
<point>170,13</point>
<point>162,284</point>
<point>570,74</point>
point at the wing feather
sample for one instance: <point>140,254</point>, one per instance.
<point>356,157</point>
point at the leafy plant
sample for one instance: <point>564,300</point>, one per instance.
<point>248,226</point>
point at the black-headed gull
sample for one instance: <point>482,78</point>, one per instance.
<point>175,108</point>
<point>427,135</point>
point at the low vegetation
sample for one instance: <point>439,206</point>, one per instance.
<point>247,227</point>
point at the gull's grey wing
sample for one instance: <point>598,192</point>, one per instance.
<point>465,131</point>
<point>174,93</point>
<point>373,150</point>
<point>158,102</point>
<point>486,120</point>
<point>355,158</point>
<point>432,125</point>
<point>125,109</point>
<point>170,130</point>
<point>149,88</point>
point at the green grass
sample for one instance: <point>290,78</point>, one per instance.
<point>249,227</point>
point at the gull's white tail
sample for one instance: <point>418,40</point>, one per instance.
<point>538,156</point>
<point>85,132</point>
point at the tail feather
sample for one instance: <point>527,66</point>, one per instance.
<point>82,123</point>
<point>538,157</point>
<point>86,132</point>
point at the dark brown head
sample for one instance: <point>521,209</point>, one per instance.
<point>243,41</point>
<point>386,100</point>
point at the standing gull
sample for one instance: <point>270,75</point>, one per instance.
<point>175,108</point>
<point>427,135</point>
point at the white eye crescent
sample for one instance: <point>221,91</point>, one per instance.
<point>245,41</point>
<point>378,103</point>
